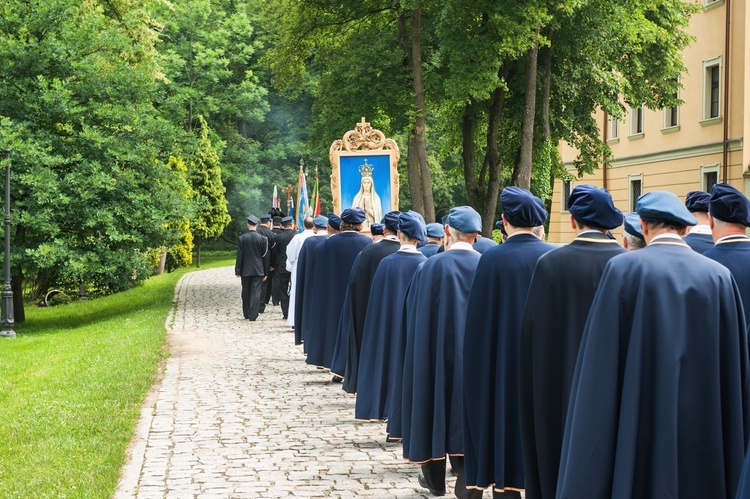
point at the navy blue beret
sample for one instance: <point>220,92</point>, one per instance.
<point>418,216</point>
<point>465,219</point>
<point>286,220</point>
<point>435,230</point>
<point>320,221</point>
<point>501,227</point>
<point>633,225</point>
<point>252,220</point>
<point>729,205</point>
<point>390,220</point>
<point>410,226</point>
<point>594,207</point>
<point>697,201</point>
<point>522,208</point>
<point>376,229</point>
<point>663,206</point>
<point>353,216</point>
<point>334,221</point>
<point>265,218</point>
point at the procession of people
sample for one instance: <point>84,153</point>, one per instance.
<point>588,370</point>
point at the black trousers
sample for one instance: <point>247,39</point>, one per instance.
<point>277,290</point>
<point>434,473</point>
<point>251,289</point>
<point>267,290</point>
<point>282,282</point>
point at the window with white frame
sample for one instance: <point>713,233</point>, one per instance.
<point>672,115</point>
<point>710,4</point>
<point>712,89</point>
<point>613,128</point>
<point>709,176</point>
<point>567,187</point>
<point>635,189</point>
<point>636,122</point>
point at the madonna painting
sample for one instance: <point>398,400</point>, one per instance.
<point>367,198</point>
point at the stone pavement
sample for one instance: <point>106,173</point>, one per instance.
<point>239,414</point>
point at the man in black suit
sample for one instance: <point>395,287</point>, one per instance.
<point>283,276</point>
<point>264,229</point>
<point>252,265</point>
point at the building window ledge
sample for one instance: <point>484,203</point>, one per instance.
<point>613,140</point>
<point>670,129</point>
<point>635,136</point>
<point>710,121</point>
<point>708,5</point>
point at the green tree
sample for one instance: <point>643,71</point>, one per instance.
<point>204,170</point>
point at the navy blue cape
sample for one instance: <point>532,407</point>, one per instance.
<point>492,440</point>
<point>381,357</point>
<point>334,265</point>
<point>482,244</point>
<point>432,399</point>
<point>734,254</point>
<point>658,406</point>
<point>699,242</point>
<point>306,266</point>
<point>557,305</point>
<point>352,321</point>
<point>429,249</point>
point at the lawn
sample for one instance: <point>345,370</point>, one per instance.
<point>72,384</point>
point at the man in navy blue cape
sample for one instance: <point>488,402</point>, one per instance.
<point>335,263</point>
<point>383,337</point>
<point>432,399</point>
<point>730,217</point>
<point>632,237</point>
<point>434,234</point>
<point>560,295</point>
<point>658,405</point>
<point>345,361</point>
<point>699,236</point>
<point>305,270</point>
<point>492,441</point>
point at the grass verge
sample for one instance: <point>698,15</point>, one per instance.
<point>71,387</point>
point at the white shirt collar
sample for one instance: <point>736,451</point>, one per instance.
<point>668,235</point>
<point>461,245</point>
<point>408,248</point>
<point>700,229</point>
<point>739,237</point>
<point>391,237</point>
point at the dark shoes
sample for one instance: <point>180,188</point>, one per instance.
<point>336,379</point>
<point>423,483</point>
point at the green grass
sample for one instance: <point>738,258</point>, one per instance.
<point>72,384</point>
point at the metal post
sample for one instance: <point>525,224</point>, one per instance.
<point>7,297</point>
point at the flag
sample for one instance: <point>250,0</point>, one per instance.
<point>275,202</point>
<point>316,198</point>
<point>291,207</point>
<point>303,205</point>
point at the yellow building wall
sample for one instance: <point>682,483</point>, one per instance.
<point>671,158</point>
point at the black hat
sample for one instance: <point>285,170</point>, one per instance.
<point>697,201</point>
<point>252,220</point>
<point>265,218</point>
<point>729,205</point>
<point>376,229</point>
<point>594,207</point>
<point>287,220</point>
<point>499,225</point>
<point>522,208</point>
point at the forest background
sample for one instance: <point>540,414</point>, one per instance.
<point>138,130</point>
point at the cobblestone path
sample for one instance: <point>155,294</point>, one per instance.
<point>239,414</point>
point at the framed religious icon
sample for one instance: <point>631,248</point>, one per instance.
<point>364,174</point>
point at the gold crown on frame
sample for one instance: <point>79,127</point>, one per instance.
<point>365,169</point>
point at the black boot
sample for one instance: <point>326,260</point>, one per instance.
<point>432,476</point>
<point>460,490</point>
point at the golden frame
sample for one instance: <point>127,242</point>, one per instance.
<point>368,148</point>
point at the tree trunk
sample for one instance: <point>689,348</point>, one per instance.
<point>419,108</point>
<point>198,252</point>
<point>492,164</point>
<point>16,284</point>
<point>162,261</point>
<point>523,178</point>
<point>467,153</point>
<point>412,170</point>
